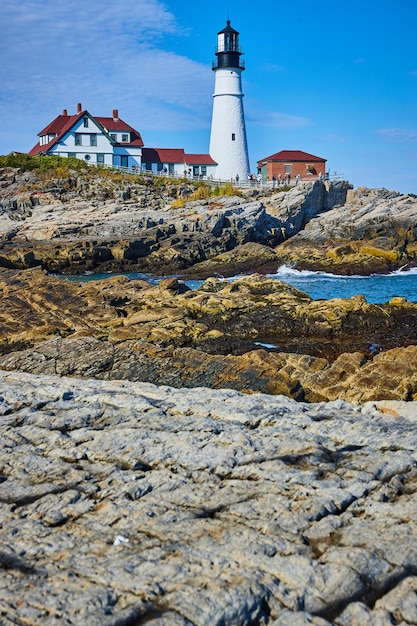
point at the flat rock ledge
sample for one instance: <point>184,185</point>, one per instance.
<point>126,503</point>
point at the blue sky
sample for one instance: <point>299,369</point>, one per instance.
<point>335,79</point>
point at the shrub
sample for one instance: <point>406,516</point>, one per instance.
<point>178,204</point>
<point>201,193</point>
<point>26,162</point>
<point>204,191</point>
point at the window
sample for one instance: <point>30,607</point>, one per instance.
<point>85,121</point>
<point>72,154</point>
<point>93,140</point>
<point>125,138</point>
<point>113,136</point>
<point>148,166</point>
<point>100,158</point>
<point>204,170</point>
<point>288,169</point>
<point>159,167</point>
<point>124,161</point>
<point>78,140</point>
<point>233,136</point>
<point>171,168</point>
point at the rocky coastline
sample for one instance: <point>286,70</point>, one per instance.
<point>238,454</point>
<point>85,222</point>
<point>255,335</point>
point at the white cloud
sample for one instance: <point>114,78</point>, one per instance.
<point>398,134</point>
<point>104,54</point>
<point>60,41</point>
<point>50,20</point>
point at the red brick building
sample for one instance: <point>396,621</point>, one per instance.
<point>288,164</point>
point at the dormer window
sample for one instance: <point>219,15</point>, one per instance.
<point>47,138</point>
<point>113,136</point>
<point>125,138</point>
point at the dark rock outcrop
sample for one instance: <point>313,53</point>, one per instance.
<point>390,375</point>
<point>216,336</point>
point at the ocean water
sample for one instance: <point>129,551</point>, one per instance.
<point>377,288</point>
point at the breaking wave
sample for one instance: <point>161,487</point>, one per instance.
<point>377,288</point>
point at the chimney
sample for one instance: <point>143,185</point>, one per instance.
<point>79,107</point>
<point>115,114</point>
<point>65,112</point>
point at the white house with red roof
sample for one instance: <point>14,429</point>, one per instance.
<point>175,161</point>
<point>111,141</point>
<point>99,140</point>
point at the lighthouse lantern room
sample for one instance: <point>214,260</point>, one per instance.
<point>228,143</point>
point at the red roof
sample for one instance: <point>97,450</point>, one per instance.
<point>111,123</point>
<point>175,155</point>
<point>291,156</point>
<point>163,155</point>
<point>63,123</point>
<point>59,124</point>
<point>199,159</point>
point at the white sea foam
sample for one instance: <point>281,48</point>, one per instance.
<point>403,271</point>
<point>286,271</point>
<point>291,272</point>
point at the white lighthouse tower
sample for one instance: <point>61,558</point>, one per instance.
<point>228,144</point>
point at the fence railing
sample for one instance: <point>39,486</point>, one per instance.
<point>218,182</point>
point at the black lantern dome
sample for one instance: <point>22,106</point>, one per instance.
<point>228,51</point>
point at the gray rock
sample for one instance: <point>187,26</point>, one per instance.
<point>129,223</point>
<point>126,502</point>
<point>364,213</point>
